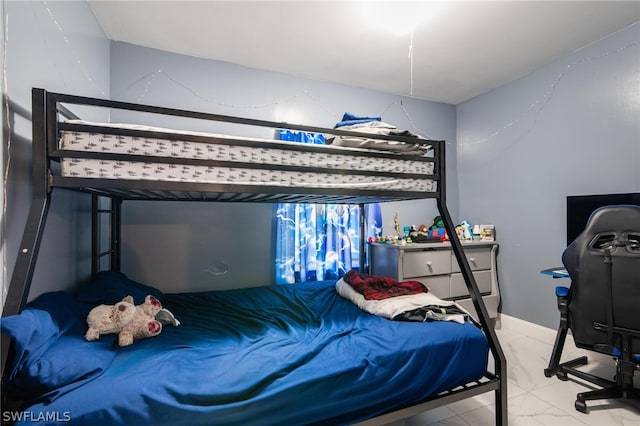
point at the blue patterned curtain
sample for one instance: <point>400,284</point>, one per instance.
<point>317,242</point>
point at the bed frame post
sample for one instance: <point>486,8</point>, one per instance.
<point>25,263</point>
<point>20,283</point>
<point>116,227</point>
<point>95,235</point>
<point>474,292</point>
<point>114,251</point>
<point>363,244</point>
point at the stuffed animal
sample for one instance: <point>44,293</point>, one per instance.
<point>437,230</point>
<point>143,324</point>
<point>107,319</point>
<point>128,321</point>
<point>437,223</point>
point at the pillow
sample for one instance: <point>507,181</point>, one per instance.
<point>111,287</point>
<point>68,360</point>
<point>49,346</point>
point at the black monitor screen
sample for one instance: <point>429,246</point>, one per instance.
<point>580,207</point>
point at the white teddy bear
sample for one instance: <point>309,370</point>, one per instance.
<point>130,322</point>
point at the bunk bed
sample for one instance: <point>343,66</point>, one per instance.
<point>339,365</point>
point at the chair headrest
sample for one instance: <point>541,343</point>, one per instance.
<point>610,227</point>
<point>619,218</point>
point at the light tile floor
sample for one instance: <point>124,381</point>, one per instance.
<point>533,398</point>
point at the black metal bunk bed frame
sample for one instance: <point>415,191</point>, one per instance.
<point>47,107</point>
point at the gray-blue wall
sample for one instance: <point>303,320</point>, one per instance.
<point>514,154</point>
<point>188,247</point>
<point>58,46</point>
<point>569,128</point>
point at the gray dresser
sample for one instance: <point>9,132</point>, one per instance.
<point>435,265</point>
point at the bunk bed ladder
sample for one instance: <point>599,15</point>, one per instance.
<point>114,212</point>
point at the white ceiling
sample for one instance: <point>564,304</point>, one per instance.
<point>460,48</point>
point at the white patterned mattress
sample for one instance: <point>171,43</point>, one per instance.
<point>272,160</point>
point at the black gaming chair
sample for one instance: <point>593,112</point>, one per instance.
<point>602,306</point>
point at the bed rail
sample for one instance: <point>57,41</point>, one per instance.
<point>320,192</point>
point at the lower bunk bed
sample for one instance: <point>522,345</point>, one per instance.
<point>294,354</point>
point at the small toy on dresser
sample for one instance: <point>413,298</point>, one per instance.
<point>464,230</point>
<point>436,230</point>
<point>128,321</point>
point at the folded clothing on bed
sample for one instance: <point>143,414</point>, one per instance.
<point>433,313</point>
<point>413,307</point>
<point>375,287</point>
<point>349,119</point>
<point>378,131</point>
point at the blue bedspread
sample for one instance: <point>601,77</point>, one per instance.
<point>284,355</point>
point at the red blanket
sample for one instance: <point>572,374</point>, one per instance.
<point>377,288</point>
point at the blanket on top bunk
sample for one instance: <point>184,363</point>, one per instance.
<point>296,354</point>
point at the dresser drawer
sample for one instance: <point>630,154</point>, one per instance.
<point>428,262</point>
<point>459,288</point>
<point>435,266</point>
<point>438,285</point>
<point>478,258</point>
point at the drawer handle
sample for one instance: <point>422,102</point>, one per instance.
<point>430,265</point>
<point>472,260</point>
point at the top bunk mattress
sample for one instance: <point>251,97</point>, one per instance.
<point>132,152</point>
<point>298,354</point>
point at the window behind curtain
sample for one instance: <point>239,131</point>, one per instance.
<point>316,242</point>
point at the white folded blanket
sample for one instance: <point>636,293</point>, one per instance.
<point>393,306</point>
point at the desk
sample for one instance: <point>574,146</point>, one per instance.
<point>557,272</point>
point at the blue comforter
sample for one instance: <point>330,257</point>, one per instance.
<point>269,355</point>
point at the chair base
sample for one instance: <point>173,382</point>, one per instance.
<point>561,370</point>
<point>622,388</point>
<point>612,392</point>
